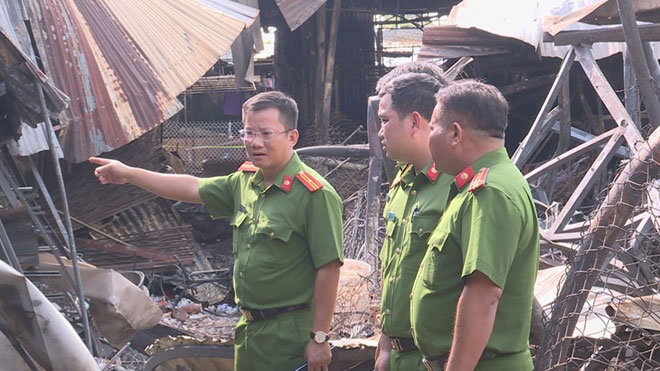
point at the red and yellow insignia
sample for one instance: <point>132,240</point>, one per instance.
<point>287,182</point>
<point>479,180</point>
<point>464,176</point>
<point>309,181</point>
<point>432,173</point>
<point>248,167</point>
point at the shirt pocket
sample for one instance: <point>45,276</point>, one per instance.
<point>420,230</point>
<point>237,221</point>
<point>274,244</point>
<point>432,270</point>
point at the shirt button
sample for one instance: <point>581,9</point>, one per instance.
<point>240,274</point>
<point>398,250</point>
<point>413,192</point>
<point>387,311</point>
<point>404,221</point>
<point>248,246</point>
<point>391,279</point>
<point>272,234</point>
<point>420,230</point>
<point>254,220</point>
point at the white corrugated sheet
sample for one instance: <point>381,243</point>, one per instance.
<point>523,20</point>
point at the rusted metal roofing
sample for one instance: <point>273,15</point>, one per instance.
<point>296,12</point>
<point>124,62</point>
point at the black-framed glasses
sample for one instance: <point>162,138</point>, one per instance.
<point>264,135</point>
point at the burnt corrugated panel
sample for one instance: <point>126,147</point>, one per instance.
<point>124,62</point>
<point>157,250</point>
<point>296,12</point>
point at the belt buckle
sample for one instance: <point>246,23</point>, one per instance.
<point>396,344</point>
<point>247,314</point>
<point>427,364</point>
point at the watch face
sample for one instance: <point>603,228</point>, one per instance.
<point>320,337</point>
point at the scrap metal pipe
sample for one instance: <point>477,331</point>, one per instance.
<point>605,229</point>
<point>67,219</point>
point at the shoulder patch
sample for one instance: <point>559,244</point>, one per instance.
<point>479,180</point>
<point>309,181</point>
<point>248,167</point>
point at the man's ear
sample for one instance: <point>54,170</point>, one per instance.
<point>416,120</point>
<point>456,133</point>
<point>293,137</point>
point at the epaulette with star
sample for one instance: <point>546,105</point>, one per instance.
<point>248,167</point>
<point>309,181</point>
<point>479,180</point>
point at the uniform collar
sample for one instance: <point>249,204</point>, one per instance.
<point>284,180</point>
<point>487,160</point>
<point>408,174</point>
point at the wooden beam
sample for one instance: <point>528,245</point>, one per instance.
<point>528,145</point>
<point>354,151</point>
<point>531,143</point>
<point>608,95</point>
<point>649,32</point>
<point>569,155</point>
<point>373,186</point>
<point>587,182</point>
<point>638,60</point>
<point>329,71</point>
<point>631,91</point>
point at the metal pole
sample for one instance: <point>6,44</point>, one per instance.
<point>67,219</point>
<point>8,249</point>
<point>49,201</point>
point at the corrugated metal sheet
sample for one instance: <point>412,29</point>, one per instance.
<point>124,62</point>
<point>482,26</point>
<point>32,140</point>
<point>296,12</point>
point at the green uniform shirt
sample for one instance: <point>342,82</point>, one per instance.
<point>413,207</point>
<point>282,233</point>
<point>490,226</point>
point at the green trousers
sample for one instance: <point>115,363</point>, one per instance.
<point>406,361</point>
<point>272,344</point>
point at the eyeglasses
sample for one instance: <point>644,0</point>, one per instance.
<point>265,135</point>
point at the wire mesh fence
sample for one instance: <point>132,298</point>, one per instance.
<point>600,300</point>
<point>206,148</point>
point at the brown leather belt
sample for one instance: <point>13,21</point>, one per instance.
<point>439,363</point>
<point>403,344</point>
<point>260,314</point>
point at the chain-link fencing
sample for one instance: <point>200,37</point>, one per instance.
<point>601,307</point>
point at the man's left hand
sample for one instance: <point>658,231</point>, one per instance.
<point>318,356</point>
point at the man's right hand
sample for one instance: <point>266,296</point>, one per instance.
<point>383,350</point>
<point>110,171</point>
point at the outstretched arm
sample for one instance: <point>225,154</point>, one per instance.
<point>171,186</point>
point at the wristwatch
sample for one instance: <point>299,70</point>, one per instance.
<point>319,337</point>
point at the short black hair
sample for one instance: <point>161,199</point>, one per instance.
<point>274,99</point>
<point>411,67</point>
<point>478,105</point>
<point>413,92</point>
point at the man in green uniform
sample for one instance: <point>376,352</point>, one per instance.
<point>472,298</point>
<point>413,207</point>
<point>287,237</point>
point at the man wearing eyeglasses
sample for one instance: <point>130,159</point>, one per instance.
<point>287,241</point>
